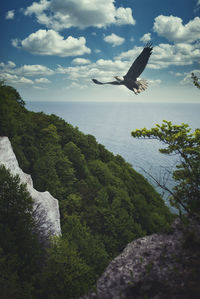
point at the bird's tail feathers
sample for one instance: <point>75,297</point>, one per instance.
<point>142,85</point>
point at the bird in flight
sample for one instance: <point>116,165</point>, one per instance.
<point>130,79</point>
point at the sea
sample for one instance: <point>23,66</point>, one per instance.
<point>112,123</point>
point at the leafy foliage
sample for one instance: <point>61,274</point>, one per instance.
<point>20,251</point>
<point>180,141</point>
<point>195,80</point>
<point>104,203</point>
<point>65,274</point>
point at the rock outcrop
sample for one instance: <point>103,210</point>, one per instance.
<point>47,203</point>
<point>160,266</point>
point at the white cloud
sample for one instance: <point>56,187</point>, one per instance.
<point>146,38</point>
<point>177,74</point>
<point>50,42</point>
<point>15,79</point>
<point>130,54</point>
<point>197,8</point>
<point>82,70</point>
<point>154,82</point>
<point>42,81</point>
<point>25,70</point>
<point>10,15</point>
<point>34,70</point>
<point>173,29</point>
<point>6,67</point>
<point>124,16</point>
<point>116,65</point>
<point>80,61</point>
<point>114,39</point>
<point>62,14</point>
<point>101,69</point>
<point>11,64</point>
<point>165,55</point>
<point>76,85</point>
<point>37,8</point>
<point>18,75</point>
<point>15,42</point>
<point>24,80</point>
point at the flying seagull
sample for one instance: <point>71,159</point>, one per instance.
<point>130,79</point>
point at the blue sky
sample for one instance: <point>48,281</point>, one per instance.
<point>50,49</point>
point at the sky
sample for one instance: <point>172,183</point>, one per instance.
<point>50,49</point>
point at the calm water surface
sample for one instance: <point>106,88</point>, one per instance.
<point>112,122</point>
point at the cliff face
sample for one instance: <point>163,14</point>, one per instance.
<point>159,266</point>
<point>47,203</point>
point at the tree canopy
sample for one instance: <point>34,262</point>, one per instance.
<point>20,250</point>
<point>195,80</point>
<point>179,140</point>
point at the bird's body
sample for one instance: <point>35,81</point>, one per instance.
<point>130,79</point>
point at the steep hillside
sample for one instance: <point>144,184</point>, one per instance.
<point>104,203</point>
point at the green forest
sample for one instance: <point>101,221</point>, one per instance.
<point>104,204</point>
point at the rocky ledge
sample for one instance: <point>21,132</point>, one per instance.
<point>47,204</point>
<point>159,266</point>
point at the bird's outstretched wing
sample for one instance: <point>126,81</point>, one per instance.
<point>139,64</point>
<point>97,82</point>
<point>112,82</point>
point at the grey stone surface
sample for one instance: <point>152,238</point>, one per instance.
<point>154,266</point>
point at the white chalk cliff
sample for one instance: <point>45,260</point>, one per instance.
<point>44,199</point>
